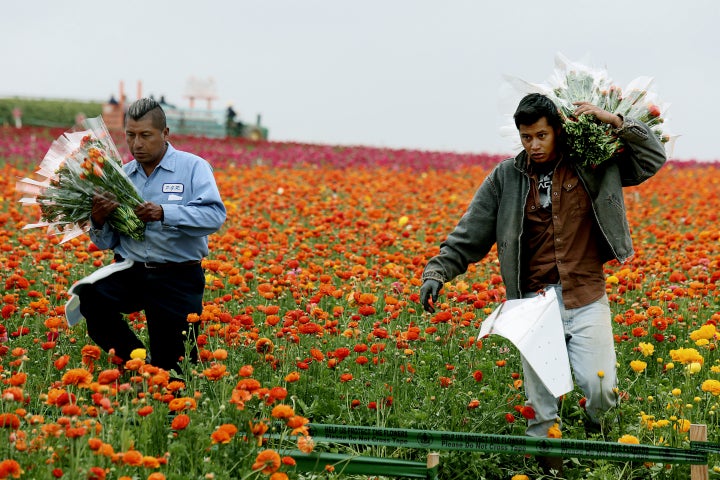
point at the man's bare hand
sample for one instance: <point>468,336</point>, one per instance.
<point>150,212</point>
<point>103,204</point>
<point>586,108</point>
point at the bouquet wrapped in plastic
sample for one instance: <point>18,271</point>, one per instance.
<point>590,141</point>
<point>77,166</point>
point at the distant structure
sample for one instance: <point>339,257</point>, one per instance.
<point>198,89</point>
<point>189,121</point>
<point>113,112</point>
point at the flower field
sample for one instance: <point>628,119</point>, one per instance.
<point>311,314</point>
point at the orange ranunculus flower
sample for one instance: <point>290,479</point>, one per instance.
<point>224,433</point>
<point>174,386</point>
<point>71,410</point>
<point>246,371</point>
<point>94,444</point>
<point>77,376</point>
<point>61,362</point>
<point>317,354</point>
<point>220,354</point>
<point>305,444</point>
<point>180,422</point>
<point>134,364</point>
<point>282,411</point>
<point>249,384</point>
<point>150,462</point>
<point>10,468</point>
<point>267,461</point>
<point>239,396</point>
<point>133,458</point>
<point>264,345</point>
<point>215,372</point>
<point>18,379</point>
<point>156,476</point>
<point>75,432</point>
<point>145,410</point>
<point>258,430</point>
<point>9,420</point>
<point>292,377</point>
<point>298,424</point>
<point>90,352</point>
<point>279,475</point>
<point>13,393</point>
<point>277,393</point>
<point>182,403</point>
<point>107,377</point>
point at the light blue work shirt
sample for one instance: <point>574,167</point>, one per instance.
<point>183,184</point>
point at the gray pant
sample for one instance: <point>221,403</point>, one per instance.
<point>591,350</point>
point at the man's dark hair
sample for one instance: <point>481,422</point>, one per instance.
<point>535,106</point>
<point>147,106</point>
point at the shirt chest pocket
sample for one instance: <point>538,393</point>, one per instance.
<point>576,198</point>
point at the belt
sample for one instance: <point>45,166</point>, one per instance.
<point>167,265</point>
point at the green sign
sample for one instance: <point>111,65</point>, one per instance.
<point>477,442</point>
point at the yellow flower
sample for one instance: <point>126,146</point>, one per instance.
<point>638,366</point>
<point>629,439</point>
<point>402,221</point>
<point>706,332</point>
<point>601,373</point>
<point>612,279</point>
<point>646,349</point>
<point>676,392</point>
<point>682,425</point>
<point>686,355</point>
<point>554,431</point>
<point>520,477</point>
<point>694,367</point>
<point>669,366</point>
<point>138,354</point>
<point>712,386</point>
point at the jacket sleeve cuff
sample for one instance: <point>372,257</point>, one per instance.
<point>433,276</point>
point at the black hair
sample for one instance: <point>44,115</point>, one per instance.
<point>535,106</point>
<point>147,106</point>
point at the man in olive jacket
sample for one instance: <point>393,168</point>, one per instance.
<point>555,224</point>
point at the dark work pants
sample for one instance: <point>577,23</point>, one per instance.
<point>166,294</point>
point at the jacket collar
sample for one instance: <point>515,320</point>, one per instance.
<point>521,162</point>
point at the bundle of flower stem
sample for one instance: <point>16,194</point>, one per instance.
<point>589,141</point>
<point>78,166</point>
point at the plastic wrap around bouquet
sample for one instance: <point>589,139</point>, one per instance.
<point>590,141</point>
<point>78,165</point>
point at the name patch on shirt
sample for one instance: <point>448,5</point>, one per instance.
<point>173,188</point>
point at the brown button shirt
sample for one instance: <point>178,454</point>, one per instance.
<point>561,240</point>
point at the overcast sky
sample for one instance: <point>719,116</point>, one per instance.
<point>421,74</point>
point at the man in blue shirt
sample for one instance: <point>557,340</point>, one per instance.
<point>166,280</point>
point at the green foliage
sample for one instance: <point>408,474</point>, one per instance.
<point>47,112</point>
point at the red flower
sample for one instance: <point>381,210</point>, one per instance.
<point>527,412</point>
<point>180,422</point>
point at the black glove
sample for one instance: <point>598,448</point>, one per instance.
<point>430,289</point>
